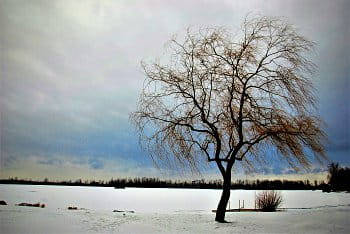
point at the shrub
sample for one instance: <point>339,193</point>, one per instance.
<point>269,200</point>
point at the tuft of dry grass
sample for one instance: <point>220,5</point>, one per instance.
<point>269,200</point>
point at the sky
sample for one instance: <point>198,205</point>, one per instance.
<point>70,75</point>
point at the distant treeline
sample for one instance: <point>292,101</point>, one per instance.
<point>145,182</point>
<point>338,180</point>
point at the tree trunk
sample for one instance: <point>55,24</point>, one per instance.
<point>225,196</point>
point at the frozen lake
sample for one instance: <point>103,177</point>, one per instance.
<point>151,200</point>
<point>161,210</point>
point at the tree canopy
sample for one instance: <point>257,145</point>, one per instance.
<point>219,97</point>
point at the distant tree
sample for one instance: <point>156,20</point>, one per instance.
<point>338,177</point>
<point>224,98</point>
<point>333,171</point>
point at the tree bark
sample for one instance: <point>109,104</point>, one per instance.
<point>225,196</point>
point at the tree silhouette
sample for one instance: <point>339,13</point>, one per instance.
<point>338,177</point>
<point>222,99</point>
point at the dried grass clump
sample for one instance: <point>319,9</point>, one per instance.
<point>269,200</point>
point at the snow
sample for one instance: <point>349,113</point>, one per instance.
<point>164,211</point>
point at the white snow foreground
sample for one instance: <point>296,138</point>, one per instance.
<point>36,220</point>
<point>328,220</point>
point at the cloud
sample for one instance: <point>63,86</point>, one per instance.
<point>67,167</point>
<point>70,72</point>
<point>96,164</point>
<point>51,161</point>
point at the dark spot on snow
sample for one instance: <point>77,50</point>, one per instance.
<point>32,205</point>
<point>3,203</point>
<point>124,211</point>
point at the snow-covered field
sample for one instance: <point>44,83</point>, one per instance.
<point>164,210</point>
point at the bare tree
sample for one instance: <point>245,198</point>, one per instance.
<point>223,100</point>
